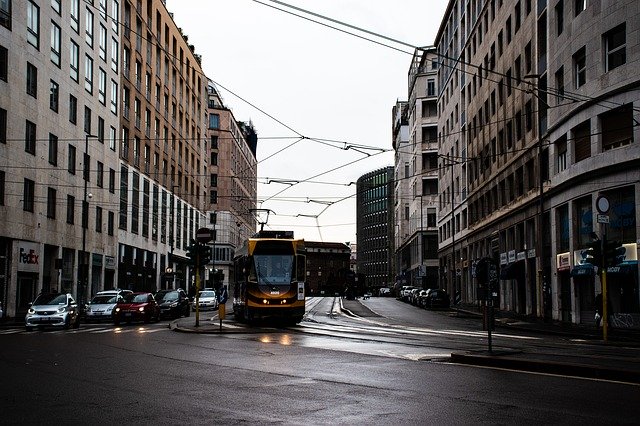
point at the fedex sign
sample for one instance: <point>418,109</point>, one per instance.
<point>28,256</point>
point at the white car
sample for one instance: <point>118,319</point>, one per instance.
<point>208,299</point>
<point>102,305</point>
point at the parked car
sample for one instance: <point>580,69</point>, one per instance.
<point>437,298</point>
<point>173,303</point>
<point>136,307</point>
<point>405,293</point>
<point>207,299</point>
<point>53,309</point>
<point>413,296</point>
<point>102,305</point>
<point>421,298</point>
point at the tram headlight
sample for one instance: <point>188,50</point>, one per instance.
<point>265,301</point>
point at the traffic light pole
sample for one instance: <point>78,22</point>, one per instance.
<point>197,284</point>
<point>605,321</point>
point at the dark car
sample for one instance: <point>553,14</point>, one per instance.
<point>136,307</point>
<point>173,303</point>
<point>437,298</point>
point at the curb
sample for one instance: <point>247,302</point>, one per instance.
<point>550,367</point>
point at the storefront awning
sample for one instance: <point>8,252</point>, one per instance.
<point>513,271</point>
<point>628,267</point>
<point>584,270</point>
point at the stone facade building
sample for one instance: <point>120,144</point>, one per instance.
<point>538,110</point>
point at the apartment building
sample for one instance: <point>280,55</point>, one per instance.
<point>232,176</point>
<point>59,118</point>
<point>163,149</point>
<point>538,112</point>
<point>416,175</point>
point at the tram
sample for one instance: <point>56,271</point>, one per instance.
<point>269,274</point>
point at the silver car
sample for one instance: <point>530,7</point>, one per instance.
<point>102,305</point>
<point>53,309</point>
<point>207,300</point>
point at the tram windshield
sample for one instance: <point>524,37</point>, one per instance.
<point>272,269</point>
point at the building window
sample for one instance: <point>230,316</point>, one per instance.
<point>110,223</point>
<point>115,13</point>
<point>3,126</point>
<point>28,195</point>
<point>85,214</point>
<point>88,37</point>
<point>51,203</point>
<point>71,160</point>
<point>112,181</point>
<point>213,197</point>
<point>98,219</point>
<point>103,43</point>
<point>580,6</point>
<point>4,62</point>
<point>33,24</point>
<point>32,80</point>
<point>560,85</point>
<point>87,120</point>
<point>5,13</point>
<point>582,141</point>
<point>114,54</point>
<point>100,174</point>
<point>102,86</point>
<point>100,129</point>
<point>86,167</point>
<point>561,149</point>
<point>617,127</point>
<point>615,44</point>
<point>214,121</point>
<point>53,149</point>
<point>112,138</point>
<point>114,97</point>
<point>75,15</point>
<point>55,44</point>
<point>54,94</point>
<point>74,60</point>
<point>88,74</point>
<point>2,188</point>
<point>559,17</point>
<point>580,67</point>
<point>431,87</point>
<point>30,138</point>
<point>71,203</point>
<point>73,109</point>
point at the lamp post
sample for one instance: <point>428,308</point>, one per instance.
<point>84,265</point>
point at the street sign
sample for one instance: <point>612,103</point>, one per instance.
<point>603,218</point>
<point>204,235</point>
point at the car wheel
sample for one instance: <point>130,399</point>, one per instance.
<point>187,312</point>
<point>28,329</point>
<point>67,323</point>
<point>77,323</point>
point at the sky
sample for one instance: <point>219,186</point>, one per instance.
<point>292,77</point>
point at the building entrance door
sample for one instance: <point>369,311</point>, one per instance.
<point>25,292</point>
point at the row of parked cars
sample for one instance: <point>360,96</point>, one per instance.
<point>425,298</point>
<point>117,306</point>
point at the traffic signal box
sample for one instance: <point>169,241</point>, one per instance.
<point>199,254</point>
<point>614,253</point>
<point>594,254</point>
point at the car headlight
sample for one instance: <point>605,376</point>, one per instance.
<point>31,311</point>
<point>141,308</point>
<point>173,305</point>
<point>117,310</point>
<point>62,309</point>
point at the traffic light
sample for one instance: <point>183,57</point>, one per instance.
<point>615,253</point>
<point>192,251</point>
<point>205,254</point>
<point>593,253</point>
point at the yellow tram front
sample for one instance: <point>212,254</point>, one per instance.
<point>270,273</point>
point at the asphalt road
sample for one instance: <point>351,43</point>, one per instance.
<point>149,374</point>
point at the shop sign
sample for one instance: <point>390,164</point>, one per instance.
<point>109,262</point>
<point>512,256</point>
<point>96,259</point>
<point>521,256</point>
<point>531,253</point>
<point>563,261</point>
<point>28,256</point>
<point>503,258</point>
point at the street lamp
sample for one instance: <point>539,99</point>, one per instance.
<point>84,265</point>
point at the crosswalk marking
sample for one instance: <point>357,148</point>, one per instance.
<point>91,330</point>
